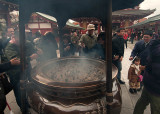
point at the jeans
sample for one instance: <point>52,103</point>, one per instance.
<point>17,93</point>
<point>132,40</point>
<point>125,41</point>
<point>146,99</point>
<point>118,64</point>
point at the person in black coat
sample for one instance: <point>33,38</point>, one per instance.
<point>141,48</point>
<point>68,47</point>
<point>133,35</point>
<point>100,46</point>
<point>118,52</point>
<point>151,91</point>
<point>4,67</point>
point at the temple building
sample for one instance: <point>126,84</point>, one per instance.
<point>152,23</point>
<point>126,17</point>
<point>120,19</point>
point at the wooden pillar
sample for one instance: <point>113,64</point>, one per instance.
<point>122,24</point>
<point>156,28</point>
<point>109,84</point>
<point>22,57</point>
<point>84,24</point>
<point>126,23</point>
<point>99,28</point>
<point>8,20</point>
<point>39,25</point>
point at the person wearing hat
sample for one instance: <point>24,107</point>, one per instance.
<point>88,41</point>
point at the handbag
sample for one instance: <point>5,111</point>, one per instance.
<point>6,84</point>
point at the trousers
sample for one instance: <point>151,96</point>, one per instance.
<point>146,99</point>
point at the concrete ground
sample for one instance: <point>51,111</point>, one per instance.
<point>128,99</point>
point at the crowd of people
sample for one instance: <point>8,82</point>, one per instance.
<point>43,48</point>
<point>144,69</point>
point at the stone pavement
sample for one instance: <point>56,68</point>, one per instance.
<point>128,99</point>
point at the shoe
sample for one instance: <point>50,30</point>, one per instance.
<point>139,89</point>
<point>131,90</point>
<point>135,90</point>
<point>121,82</point>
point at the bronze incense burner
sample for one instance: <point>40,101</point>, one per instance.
<point>71,86</point>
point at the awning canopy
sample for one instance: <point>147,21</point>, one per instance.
<point>63,10</point>
<point>150,20</point>
<point>52,19</point>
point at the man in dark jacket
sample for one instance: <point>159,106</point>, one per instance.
<point>151,92</point>
<point>141,48</point>
<point>133,35</point>
<point>118,52</point>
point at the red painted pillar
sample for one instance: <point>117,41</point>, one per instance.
<point>8,20</point>
<point>156,28</point>
<point>39,25</point>
<point>99,28</point>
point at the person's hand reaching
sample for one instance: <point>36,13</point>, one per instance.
<point>15,61</point>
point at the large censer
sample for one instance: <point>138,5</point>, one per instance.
<point>71,86</point>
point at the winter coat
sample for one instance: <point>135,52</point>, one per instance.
<point>132,75</point>
<point>151,78</point>
<point>141,51</point>
<point>118,46</point>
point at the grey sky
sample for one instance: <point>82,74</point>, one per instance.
<point>151,4</point>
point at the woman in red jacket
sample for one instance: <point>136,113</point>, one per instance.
<point>125,38</point>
